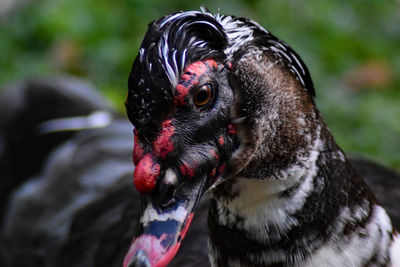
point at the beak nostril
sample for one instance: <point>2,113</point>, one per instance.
<point>140,260</point>
<point>167,198</point>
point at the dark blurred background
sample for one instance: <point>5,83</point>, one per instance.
<point>352,49</point>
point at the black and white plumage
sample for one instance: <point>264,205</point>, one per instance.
<point>220,104</point>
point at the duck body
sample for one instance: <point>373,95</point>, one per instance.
<point>285,195</point>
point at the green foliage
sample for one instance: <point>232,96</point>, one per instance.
<point>339,40</point>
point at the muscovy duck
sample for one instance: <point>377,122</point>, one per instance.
<point>79,208</point>
<point>219,104</point>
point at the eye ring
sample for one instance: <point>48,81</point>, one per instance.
<point>203,95</point>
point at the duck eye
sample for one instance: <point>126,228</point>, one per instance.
<point>203,95</point>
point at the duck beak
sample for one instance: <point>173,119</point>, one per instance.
<point>167,214</point>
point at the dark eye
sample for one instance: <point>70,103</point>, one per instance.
<point>203,95</point>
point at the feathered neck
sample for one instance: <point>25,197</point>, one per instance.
<point>315,211</point>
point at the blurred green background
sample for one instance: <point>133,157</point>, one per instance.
<point>352,49</point>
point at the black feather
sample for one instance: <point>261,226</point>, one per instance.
<point>170,44</point>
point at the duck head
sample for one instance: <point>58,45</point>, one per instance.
<point>194,111</point>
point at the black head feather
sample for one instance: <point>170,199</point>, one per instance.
<point>170,44</point>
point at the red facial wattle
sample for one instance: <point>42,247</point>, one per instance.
<point>146,174</point>
<point>147,168</point>
<point>186,170</point>
<point>164,144</point>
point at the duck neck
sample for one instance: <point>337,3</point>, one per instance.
<point>298,214</point>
